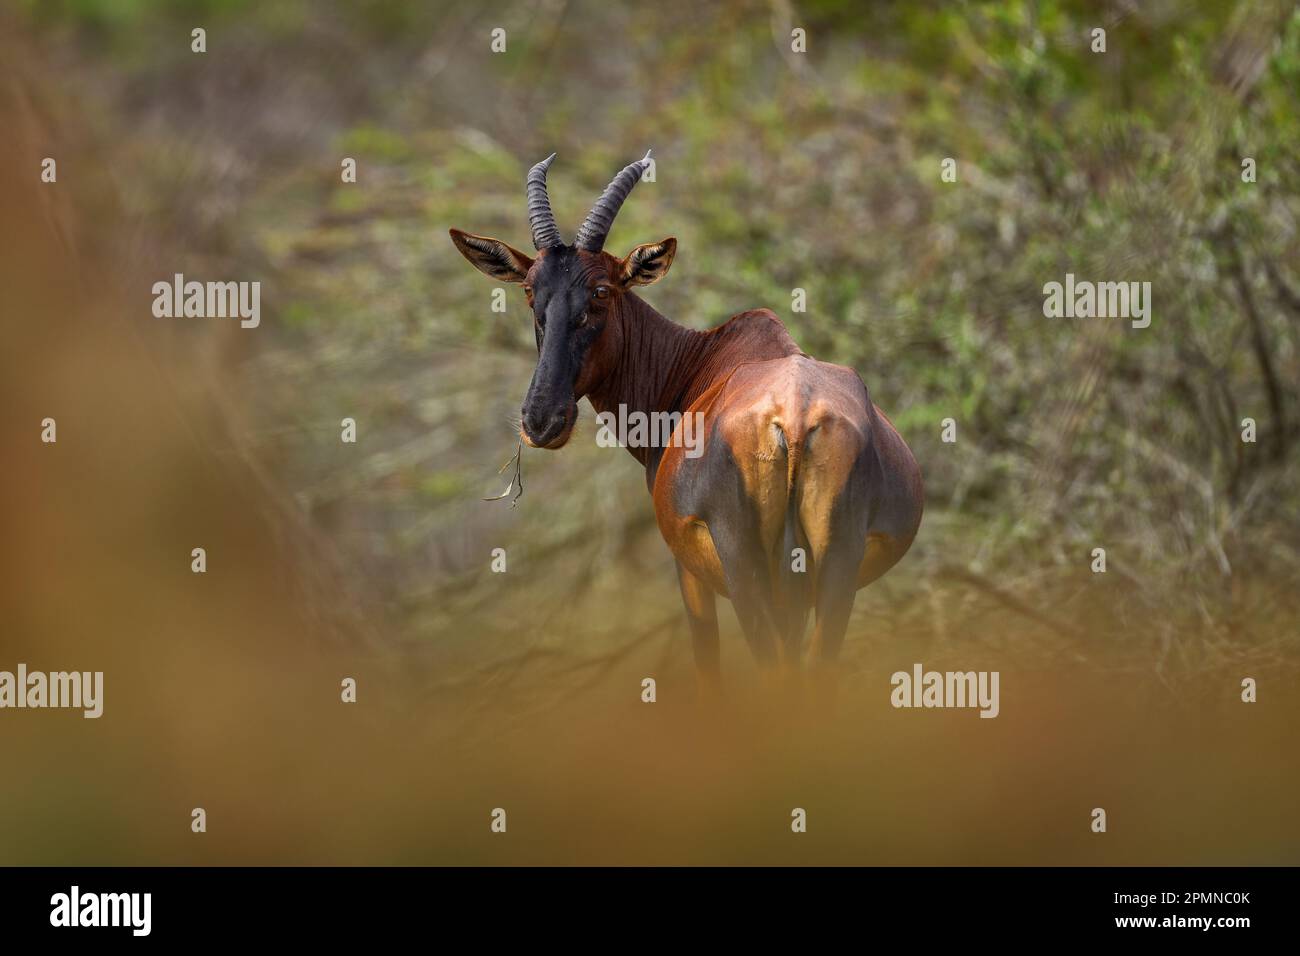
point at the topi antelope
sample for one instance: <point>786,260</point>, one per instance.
<point>795,455</point>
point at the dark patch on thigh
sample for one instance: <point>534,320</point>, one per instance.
<point>712,487</point>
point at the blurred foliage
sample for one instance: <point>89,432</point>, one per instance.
<point>775,171</point>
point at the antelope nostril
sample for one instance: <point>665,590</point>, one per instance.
<point>543,426</point>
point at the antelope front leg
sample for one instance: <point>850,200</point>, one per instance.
<point>702,614</point>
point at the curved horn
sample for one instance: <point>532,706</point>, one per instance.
<point>594,229</point>
<point>540,217</point>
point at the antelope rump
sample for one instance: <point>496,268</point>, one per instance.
<point>803,493</point>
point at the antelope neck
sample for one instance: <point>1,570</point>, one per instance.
<point>658,369</point>
<point>665,367</point>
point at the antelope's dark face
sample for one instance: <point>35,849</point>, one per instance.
<point>575,293</point>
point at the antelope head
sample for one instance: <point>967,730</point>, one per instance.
<point>578,297</point>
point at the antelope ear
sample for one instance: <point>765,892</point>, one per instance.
<point>492,257</point>
<point>648,263</point>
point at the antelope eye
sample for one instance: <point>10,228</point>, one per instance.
<point>602,292</point>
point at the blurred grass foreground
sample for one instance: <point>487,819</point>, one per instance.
<point>776,171</point>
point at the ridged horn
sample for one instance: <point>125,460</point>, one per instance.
<point>594,229</point>
<point>545,233</point>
